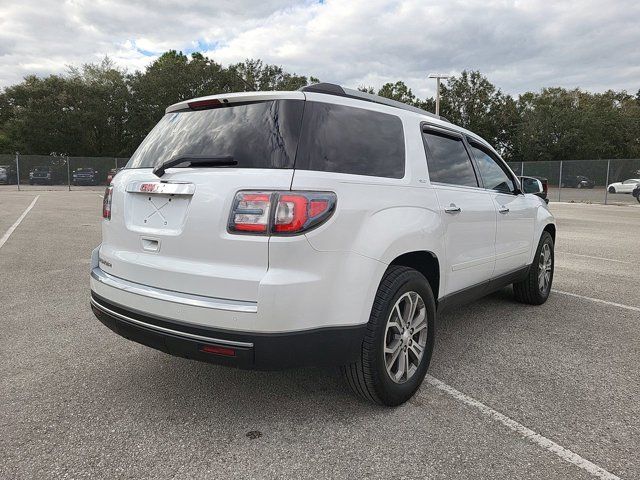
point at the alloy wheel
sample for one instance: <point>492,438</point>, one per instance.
<point>405,337</point>
<point>545,266</point>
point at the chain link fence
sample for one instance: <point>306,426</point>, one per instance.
<point>58,172</point>
<point>586,181</point>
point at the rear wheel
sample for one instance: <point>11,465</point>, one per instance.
<point>535,288</point>
<point>397,347</point>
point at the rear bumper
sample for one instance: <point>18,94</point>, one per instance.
<point>329,346</point>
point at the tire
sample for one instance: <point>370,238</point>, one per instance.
<point>579,185</point>
<point>638,198</point>
<point>369,377</point>
<point>535,289</point>
<point>612,190</point>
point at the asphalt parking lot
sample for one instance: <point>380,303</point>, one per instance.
<point>515,391</point>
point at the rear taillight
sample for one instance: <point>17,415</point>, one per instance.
<point>106,203</point>
<point>280,213</point>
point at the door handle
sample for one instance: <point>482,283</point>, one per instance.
<point>503,209</point>
<point>452,208</point>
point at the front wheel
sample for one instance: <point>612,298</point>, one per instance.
<point>398,343</point>
<point>612,190</point>
<point>535,288</point>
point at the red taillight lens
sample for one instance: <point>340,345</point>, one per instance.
<point>251,212</point>
<point>106,203</point>
<point>293,212</point>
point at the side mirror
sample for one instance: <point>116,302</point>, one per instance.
<point>531,185</point>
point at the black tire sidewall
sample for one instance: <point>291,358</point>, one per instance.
<point>390,392</point>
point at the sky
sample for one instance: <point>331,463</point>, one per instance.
<point>520,45</point>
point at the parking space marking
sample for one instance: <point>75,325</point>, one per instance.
<point>598,300</point>
<point>564,453</point>
<point>597,258</point>
<point>6,236</point>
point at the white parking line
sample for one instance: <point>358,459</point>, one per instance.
<point>564,453</point>
<point>6,236</point>
<point>597,258</point>
<point>597,300</point>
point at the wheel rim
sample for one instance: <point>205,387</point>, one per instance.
<point>545,265</point>
<point>405,338</point>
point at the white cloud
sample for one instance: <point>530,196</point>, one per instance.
<point>519,44</point>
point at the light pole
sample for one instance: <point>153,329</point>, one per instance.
<point>438,77</point>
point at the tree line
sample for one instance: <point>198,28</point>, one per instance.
<point>102,110</point>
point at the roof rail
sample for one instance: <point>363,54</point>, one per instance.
<point>333,89</point>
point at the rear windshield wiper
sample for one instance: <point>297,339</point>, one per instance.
<point>193,160</point>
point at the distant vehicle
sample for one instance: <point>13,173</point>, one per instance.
<point>111,174</point>
<point>43,176</point>
<point>85,176</point>
<point>624,187</point>
<point>8,174</point>
<point>578,181</point>
<point>536,185</point>
<point>636,193</point>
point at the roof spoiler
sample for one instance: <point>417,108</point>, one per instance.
<point>333,89</point>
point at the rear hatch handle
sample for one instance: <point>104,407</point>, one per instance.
<point>196,160</point>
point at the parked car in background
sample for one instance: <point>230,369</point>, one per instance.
<point>636,193</point>
<point>216,246</point>
<point>8,174</point>
<point>577,181</point>
<point>43,176</point>
<point>84,176</point>
<point>624,187</point>
<point>536,186</point>
<point>112,173</point>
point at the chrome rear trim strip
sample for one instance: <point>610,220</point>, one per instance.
<point>175,297</point>
<point>166,188</point>
<point>168,330</point>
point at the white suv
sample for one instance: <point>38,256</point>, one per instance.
<point>324,226</point>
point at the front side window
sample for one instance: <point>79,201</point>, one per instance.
<point>493,175</point>
<point>448,161</point>
<point>341,139</point>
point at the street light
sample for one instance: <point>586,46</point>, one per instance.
<point>438,77</point>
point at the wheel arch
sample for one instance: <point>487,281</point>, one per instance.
<point>425,262</point>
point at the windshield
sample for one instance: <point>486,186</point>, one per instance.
<point>256,135</point>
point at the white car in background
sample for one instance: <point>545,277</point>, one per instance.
<point>624,187</point>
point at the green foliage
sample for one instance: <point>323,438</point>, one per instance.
<point>101,110</point>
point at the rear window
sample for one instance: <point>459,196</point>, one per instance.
<point>341,139</point>
<point>256,135</point>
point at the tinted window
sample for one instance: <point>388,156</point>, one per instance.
<point>448,161</point>
<point>257,135</point>
<point>493,176</point>
<point>343,139</point>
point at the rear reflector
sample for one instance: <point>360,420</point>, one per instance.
<point>280,213</point>
<point>216,350</point>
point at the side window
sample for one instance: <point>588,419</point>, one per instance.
<point>493,176</point>
<point>448,160</point>
<point>341,139</point>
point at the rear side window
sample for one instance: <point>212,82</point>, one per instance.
<point>448,160</point>
<point>257,135</point>
<point>341,139</point>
